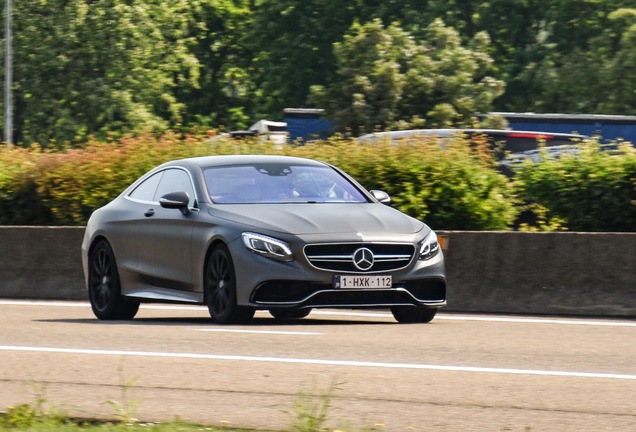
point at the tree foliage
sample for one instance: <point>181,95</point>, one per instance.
<point>386,79</point>
<point>94,67</point>
<point>100,67</point>
<point>594,190</point>
<point>223,94</point>
<point>291,42</point>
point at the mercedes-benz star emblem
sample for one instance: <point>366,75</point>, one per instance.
<point>363,259</point>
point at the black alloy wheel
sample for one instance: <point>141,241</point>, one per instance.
<point>220,289</point>
<point>413,314</point>
<point>104,287</point>
<point>288,314</point>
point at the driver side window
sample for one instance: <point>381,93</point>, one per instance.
<point>162,183</point>
<point>146,190</point>
<point>175,180</point>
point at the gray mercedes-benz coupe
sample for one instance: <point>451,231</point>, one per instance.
<point>241,233</point>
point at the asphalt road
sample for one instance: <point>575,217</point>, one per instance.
<point>458,373</point>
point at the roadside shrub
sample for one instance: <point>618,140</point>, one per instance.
<point>594,190</point>
<point>455,187</point>
<point>19,202</point>
<point>450,188</point>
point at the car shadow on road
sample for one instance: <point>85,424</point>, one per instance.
<point>202,321</point>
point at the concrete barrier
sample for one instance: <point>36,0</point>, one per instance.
<point>41,263</point>
<point>542,273</point>
<point>584,274</point>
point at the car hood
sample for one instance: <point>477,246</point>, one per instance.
<point>321,218</point>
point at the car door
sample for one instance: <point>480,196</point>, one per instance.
<point>164,236</point>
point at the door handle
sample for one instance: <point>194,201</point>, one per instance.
<point>149,213</point>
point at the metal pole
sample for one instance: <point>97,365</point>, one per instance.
<point>8,77</point>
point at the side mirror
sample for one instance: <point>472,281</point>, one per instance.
<point>381,196</point>
<point>176,200</point>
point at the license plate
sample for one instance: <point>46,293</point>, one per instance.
<point>357,282</point>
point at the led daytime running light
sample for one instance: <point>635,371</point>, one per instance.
<point>267,246</point>
<point>430,247</point>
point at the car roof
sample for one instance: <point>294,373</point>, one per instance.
<point>222,160</point>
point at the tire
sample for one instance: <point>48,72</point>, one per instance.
<point>413,314</point>
<point>104,286</point>
<point>220,289</point>
<point>288,314</point>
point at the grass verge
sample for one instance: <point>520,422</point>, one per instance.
<point>310,413</point>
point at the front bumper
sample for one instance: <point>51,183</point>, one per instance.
<point>265,283</point>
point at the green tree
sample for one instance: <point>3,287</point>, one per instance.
<point>291,42</point>
<point>594,75</point>
<point>99,67</point>
<point>386,79</point>
<point>571,65</point>
<point>621,97</point>
<point>554,55</point>
<point>93,67</point>
<point>224,94</point>
<point>516,29</point>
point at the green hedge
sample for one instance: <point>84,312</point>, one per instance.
<point>594,190</point>
<point>456,187</point>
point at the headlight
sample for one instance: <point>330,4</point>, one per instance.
<point>430,247</point>
<point>267,246</point>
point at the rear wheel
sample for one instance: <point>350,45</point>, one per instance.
<point>104,287</point>
<point>285,314</point>
<point>412,314</point>
<point>220,289</point>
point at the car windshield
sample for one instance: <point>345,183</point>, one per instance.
<point>279,183</point>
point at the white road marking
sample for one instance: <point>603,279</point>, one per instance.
<point>44,303</point>
<point>527,320</point>
<point>491,318</point>
<point>572,321</point>
<point>344,313</point>
<point>351,363</point>
<point>272,332</point>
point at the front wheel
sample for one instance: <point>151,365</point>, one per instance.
<point>104,287</point>
<point>412,314</point>
<point>220,289</point>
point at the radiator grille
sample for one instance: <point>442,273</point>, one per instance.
<point>360,257</point>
